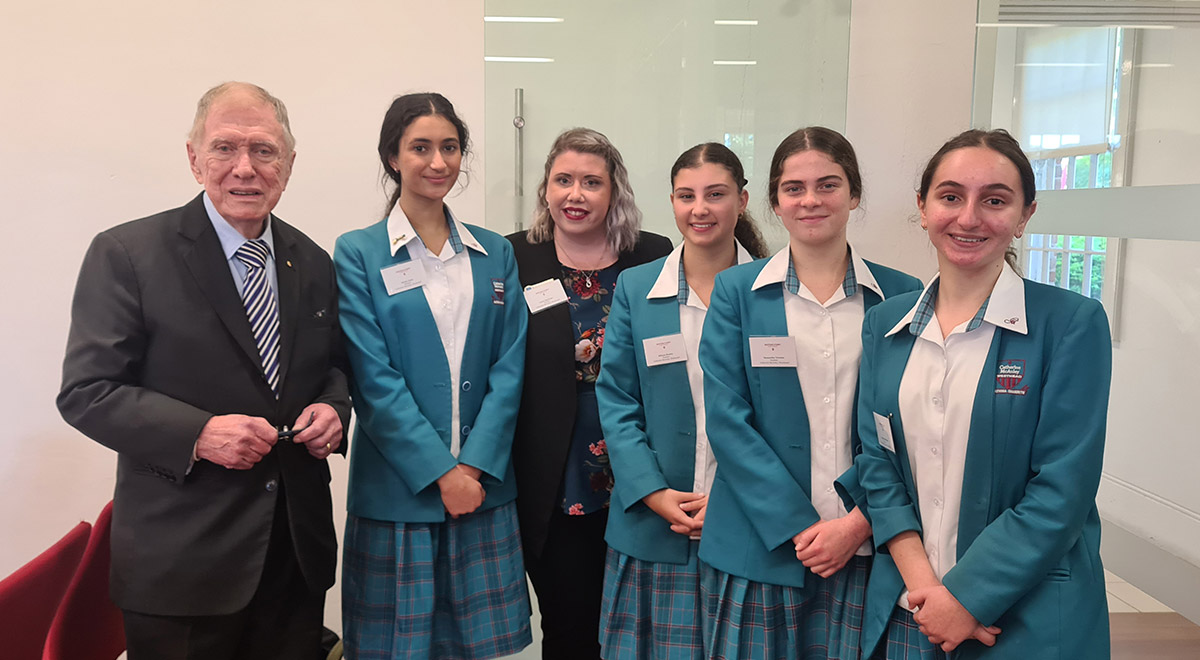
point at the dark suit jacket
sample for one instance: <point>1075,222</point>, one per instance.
<point>160,343</point>
<point>547,415</point>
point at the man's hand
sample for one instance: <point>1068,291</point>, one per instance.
<point>461,494</point>
<point>235,442</point>
<point>826,546</point>
<point>323,435</point>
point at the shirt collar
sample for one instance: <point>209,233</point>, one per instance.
<point>672,283</point>
<point>1004,308</point>
<point>230,239</point>
<point>400,232</point>
<point>1007,307</point>
<point>781,270</point>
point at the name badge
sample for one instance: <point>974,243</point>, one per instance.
<point>773,351</point>
<point>545,295</point>
<point>883,429</point>
<point>664,350</point>
<point>401,277</point>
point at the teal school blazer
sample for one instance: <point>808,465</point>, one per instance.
<point>1029,532</point>
<point>401,379</point>
<point>758,429</point>
<point>648,418</point>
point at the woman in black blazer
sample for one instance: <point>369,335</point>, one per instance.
<point>584,232</point>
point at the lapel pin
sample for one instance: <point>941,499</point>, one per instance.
<point>289,263</point>
<point>399,238</point>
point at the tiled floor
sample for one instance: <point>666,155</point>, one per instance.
<point>1126,598</point>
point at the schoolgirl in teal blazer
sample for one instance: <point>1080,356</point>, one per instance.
<point>1016,449</point>
<point>759,428</point>
<point>415,396</point>
<point>648,415</point>
<point>1028,531</point>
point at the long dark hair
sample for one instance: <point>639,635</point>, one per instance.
<point>745,231</point>
<point>403,112</point>
<point>999,141</point>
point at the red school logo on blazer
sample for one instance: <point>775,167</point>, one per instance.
<point>1009,375</point>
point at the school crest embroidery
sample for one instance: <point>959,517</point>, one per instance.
<point>1009,375</point>
<point>497,291</point>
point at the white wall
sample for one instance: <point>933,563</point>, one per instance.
<point>98,99</point>
<point>909,91</point>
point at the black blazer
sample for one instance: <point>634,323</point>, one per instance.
<point>547,415</point>
<point>160,343</point>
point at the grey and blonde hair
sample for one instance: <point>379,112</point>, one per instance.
<point>204,105</point>
<point>623,221</point>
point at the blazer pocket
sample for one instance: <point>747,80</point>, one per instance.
<point>1059,575</point>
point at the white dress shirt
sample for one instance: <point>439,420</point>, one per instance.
<point>670,284</point>
<point>449,290</point>
<point>828,351</point>
<point>937,398</point>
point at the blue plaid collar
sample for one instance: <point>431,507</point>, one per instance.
<point>455,241</point>
<point>923,313</point>
<point>849,283</point>
<point>672,282</point>
<point>684,291</point>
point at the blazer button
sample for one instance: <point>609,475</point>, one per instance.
<point>466,386</point>
<point>466,430</point>
<point>271,486</point>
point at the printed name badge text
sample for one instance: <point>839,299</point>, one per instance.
<point>664,350</point>
<point>773,351</point>
<point>883,428</point>
<point>401,277</point>
<point>545,295</point>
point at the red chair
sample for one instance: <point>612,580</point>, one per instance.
<point>30,596</point>
<point>88,625</point>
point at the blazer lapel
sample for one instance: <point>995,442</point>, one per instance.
<point>552,325</point>
<point>288,278</point>
<point>662,318</point>
<point>769,319</point>
<point>984,450</point>
<point>890,362</point>
<point>201,252</point>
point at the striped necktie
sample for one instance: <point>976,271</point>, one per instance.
<point>261,309</point>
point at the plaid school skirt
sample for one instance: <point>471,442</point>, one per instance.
<point>651,610</point>
<point>905,641</point>
<point>454,589</point>
<point>820,621</point>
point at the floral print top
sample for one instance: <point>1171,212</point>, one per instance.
<point>588,480</point>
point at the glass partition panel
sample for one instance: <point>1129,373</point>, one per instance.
<point>656,78</point>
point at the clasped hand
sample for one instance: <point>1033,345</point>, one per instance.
<point>684,511</point>
<point>826,546</point>
<point>461,491</point>
<point>944,620</point>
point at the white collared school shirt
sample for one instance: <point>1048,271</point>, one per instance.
<point>670,284</point>
<point>828,340</point>
<point>449,291</point>
<point>937,398</point>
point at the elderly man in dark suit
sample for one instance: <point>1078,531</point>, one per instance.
<point>205,350</point>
